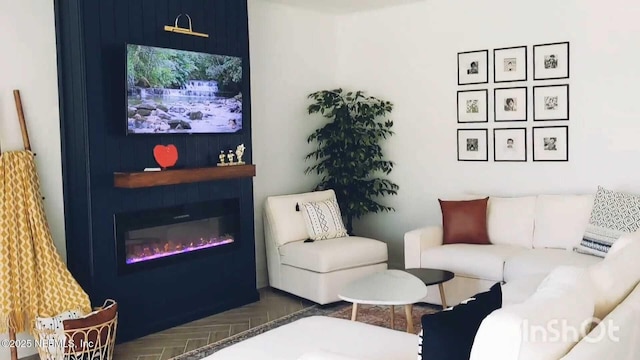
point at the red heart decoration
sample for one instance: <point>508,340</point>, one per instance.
<point>166,156</point>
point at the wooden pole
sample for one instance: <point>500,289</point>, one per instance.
<point>27,146</point>
<point>23,123</point>
<point>12,344</point>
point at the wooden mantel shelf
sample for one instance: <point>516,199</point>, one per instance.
<point>132,180</point>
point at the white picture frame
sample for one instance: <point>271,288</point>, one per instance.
<point>550,143</point>
<point>510,144</point>
<point>510,104</point>
<point>473,145</point>
<point>551,61</point>
<point>473,67</point>
<point>551,102</point>
<point>510,64</point>
<point>473,106</point>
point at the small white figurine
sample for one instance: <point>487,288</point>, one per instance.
<point>230,157</point>
<point>221,157</point>
<point>239,153</point>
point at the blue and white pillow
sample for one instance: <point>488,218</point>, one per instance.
<point>613,215</point>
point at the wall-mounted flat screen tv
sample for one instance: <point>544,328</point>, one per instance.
<point>173,91</point>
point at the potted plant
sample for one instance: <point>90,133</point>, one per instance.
<point>348,155</point>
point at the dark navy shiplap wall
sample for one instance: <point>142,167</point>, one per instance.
<point>91,37</point>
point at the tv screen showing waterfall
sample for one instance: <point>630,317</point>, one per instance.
<point>173,91</point>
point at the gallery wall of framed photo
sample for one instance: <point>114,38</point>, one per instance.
<point>521,116</point>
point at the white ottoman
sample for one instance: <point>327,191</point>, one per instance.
<point>324,334</point>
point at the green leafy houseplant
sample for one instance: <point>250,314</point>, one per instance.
<point>348,156</point>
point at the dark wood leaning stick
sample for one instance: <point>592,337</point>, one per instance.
<point>23,123</point>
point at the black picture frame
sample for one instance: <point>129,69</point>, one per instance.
<point>537,63</point>
<point>526,104</point>
<point>483,133</point>
<point>564,155</point>
<point>485,68</point>
<point>525,62</point>
<point>486,106</point>
<point>538,102</point>
<point>523,138</point>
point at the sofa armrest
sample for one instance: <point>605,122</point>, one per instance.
<point>416,241</point>
<point>623,241</point>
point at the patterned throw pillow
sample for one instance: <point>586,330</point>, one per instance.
<point>614,214</point>
<point>50,330</point>
<point>323,220</point>
<point>449,334</point>
<point>420,344</point>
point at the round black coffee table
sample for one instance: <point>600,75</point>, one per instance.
<point>433,277</point>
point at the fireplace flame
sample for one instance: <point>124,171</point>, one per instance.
<point>155,250</point>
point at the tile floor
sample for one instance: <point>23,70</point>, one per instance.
<point>172,342</point>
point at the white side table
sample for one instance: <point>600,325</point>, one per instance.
<point>388,287</point>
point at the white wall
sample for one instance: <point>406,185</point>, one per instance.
<point>411,61</point>
<point>293,53</point>
<point>343,6</point>
<point>28,63</point>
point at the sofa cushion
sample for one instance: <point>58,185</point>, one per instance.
<point>464,221</point>
<point>543,261</point>
<point>545,327</point>
<point>519,290</point>
<point>484,262</point>
<point>615,338</point>
<point>560,220</point>
<point>613,215</point>
<point>449,334</point>
<point>510,220</point>
<point>616,276</point>
<point>334,254</point>
<point>323,219</point>
<point>287,224</point>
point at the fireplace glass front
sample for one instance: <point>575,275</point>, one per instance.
<point>154,237</point>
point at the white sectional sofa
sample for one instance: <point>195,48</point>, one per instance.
<point>530,236</point>
<point>500,335</point>
<point>546,283</point>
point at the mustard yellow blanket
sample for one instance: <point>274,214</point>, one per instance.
<point>34,281</point>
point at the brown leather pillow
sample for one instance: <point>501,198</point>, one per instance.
<point>464,222</point>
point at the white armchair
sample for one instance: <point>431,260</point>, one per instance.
<point>314,270</point>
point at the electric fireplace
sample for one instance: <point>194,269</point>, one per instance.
<point>150,238</point>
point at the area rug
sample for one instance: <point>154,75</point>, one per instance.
<point>381,315</point>
<point>369,314</point>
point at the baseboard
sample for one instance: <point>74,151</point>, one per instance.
<point>262,282</point>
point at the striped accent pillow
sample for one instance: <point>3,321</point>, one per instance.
<point>614,214</point>
<point>323,219</point>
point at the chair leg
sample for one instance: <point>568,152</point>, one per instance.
<point>408,309</point>
<point>442,297</point>
<point>354,312</point>
<point>393,316</point>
